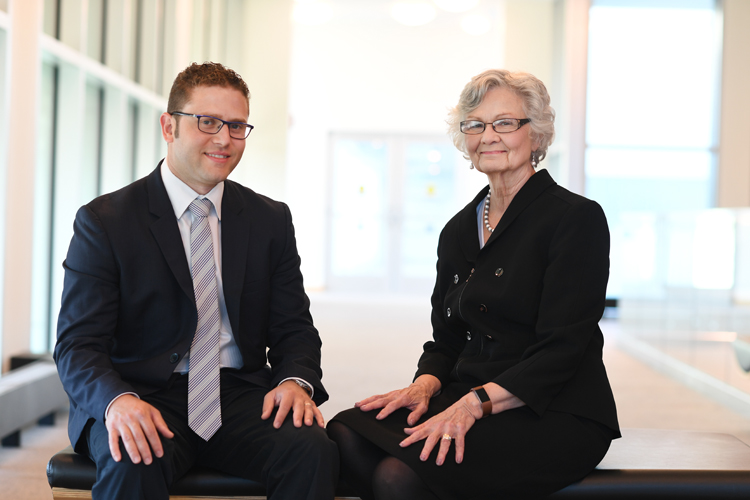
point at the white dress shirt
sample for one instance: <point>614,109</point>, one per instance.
<point>181,196</point>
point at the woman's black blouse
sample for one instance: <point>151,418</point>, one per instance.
<point>523,311</point>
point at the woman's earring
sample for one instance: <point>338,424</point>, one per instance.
<point>471,166</point>
<point>534,161</point>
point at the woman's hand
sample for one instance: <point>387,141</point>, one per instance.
<point>446,426</point>
<point>416,397</point>
<point>456,421</point>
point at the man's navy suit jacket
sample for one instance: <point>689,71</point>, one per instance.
<point>128,311</point>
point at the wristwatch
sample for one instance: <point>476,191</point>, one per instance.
<point>305,386</point>
<point>484,398</point>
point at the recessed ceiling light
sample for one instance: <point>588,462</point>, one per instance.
<point>456,5</point>
<point>413,13</point>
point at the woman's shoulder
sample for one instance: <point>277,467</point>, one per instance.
<point>566,199</point>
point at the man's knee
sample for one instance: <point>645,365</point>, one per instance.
<point>137,479</point>
<point>312,443</point>
<point>131,480</point>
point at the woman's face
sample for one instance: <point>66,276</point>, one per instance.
<point>493,153</point>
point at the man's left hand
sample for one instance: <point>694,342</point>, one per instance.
<point>290,396</point>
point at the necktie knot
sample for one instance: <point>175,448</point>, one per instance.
<point>200,207</point>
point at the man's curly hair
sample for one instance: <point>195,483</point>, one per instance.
<point>203,75</point>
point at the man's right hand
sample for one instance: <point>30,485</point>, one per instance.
<point>138,424</point>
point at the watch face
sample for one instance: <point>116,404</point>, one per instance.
<point>481,394</point>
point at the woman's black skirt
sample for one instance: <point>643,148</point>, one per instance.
<point>513,454</point>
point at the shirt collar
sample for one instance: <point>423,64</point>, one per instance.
<point>181,195</point>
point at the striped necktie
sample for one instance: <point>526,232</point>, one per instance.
<point>204,403</point>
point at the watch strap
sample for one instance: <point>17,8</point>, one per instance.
<point>304,385</point>
<point>484,398</point>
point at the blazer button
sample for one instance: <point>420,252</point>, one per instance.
<point>455,279</point>
<point>499,272</point>
<point>448,312</point>
<point>468,335</point>
<point>482,308</point>
<point>174,358</point>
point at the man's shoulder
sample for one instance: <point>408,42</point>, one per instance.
<point>236,193</point>
<point>128,201</point>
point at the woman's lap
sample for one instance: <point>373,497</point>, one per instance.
<point>514,454</point>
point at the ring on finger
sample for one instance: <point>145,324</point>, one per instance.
<point>308,404</point>
<point>447,437</point>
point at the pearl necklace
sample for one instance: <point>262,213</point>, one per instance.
<point>487,213</point>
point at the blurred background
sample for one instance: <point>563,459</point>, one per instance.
<point>349,100</point>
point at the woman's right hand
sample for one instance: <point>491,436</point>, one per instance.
<point>416,397</point>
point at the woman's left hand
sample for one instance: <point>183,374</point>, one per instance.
<point>454,422</point>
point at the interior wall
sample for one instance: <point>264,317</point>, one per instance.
<point>264,64</point>
<point>734,139</point>
<point>363,72</point>
<point>529,38</point>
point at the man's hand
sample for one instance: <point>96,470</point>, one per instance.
<point>290,396</point>
<point>138,424</point>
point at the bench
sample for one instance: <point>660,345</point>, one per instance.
<point>645,464</point>
<point>29,394</point>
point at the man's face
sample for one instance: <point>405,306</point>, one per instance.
<point>203,160</point>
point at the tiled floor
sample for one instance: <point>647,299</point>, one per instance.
<point>371,345</point>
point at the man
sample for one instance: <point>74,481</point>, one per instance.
<point>179,289</point>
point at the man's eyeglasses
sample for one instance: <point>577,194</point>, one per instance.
<point>502,126</point>
<point>212,125</point>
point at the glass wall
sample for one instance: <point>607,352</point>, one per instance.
<point>651,112</point>
<point>391,195</point>
<point>98,129</point>
<point>105,69</point>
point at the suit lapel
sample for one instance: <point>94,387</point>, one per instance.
<point>469,233</point>
<point>166,233</point>
<point>235,237</point>
<point>530,191</point>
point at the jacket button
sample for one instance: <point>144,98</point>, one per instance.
<point>468,335</point>
<point>448,312</point>
<point>455,279</point>
<point>174,357</point>
<point>499,272</point>
<point>482,308</point>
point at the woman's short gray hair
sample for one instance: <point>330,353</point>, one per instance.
<point>529,88</point>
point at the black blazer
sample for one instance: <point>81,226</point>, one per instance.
<point>128,311</point>
<point>523,312</point>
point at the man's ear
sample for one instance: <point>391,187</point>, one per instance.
<point>168,127</point>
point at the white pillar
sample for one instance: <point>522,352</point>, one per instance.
<point>575,72</point>
<point>24,70</point>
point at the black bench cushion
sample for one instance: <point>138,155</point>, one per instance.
<point>647,464</point>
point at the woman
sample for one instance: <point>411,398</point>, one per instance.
<point>511,398</point>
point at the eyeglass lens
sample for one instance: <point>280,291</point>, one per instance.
<point>502,126</point>
<point>213,125</point>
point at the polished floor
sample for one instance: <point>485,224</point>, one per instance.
<point>371,345</point>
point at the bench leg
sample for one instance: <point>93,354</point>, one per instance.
<point>68,494</point>
<point>12,440</point>
<point>47,420</point>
